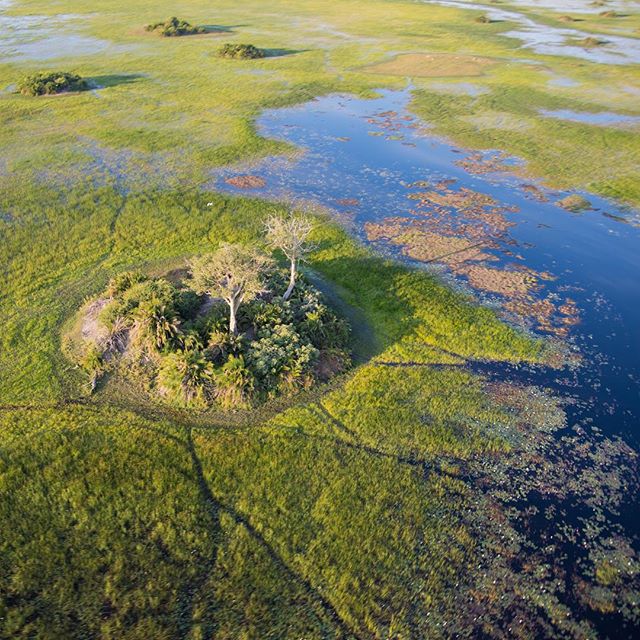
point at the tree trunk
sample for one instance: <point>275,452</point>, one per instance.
<point>233,325</point>
<point>292,282</point>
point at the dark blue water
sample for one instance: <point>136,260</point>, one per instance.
<point>350,153</point>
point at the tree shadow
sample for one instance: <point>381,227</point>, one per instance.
<point>373,292</point>
<point>219,28</point>
<point>281,53</point>
<point>103,82</point>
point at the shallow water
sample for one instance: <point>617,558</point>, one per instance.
<point>559,81</point>
<point>577,6</point>
<point>36,37</point>
<point>556,41</point>
<point>459,88</point>
<point>360,168</point>
<point>603,119</point>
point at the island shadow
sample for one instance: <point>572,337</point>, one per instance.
<point>281,53</point>
<point>103,82</point>
<point>219,28</point>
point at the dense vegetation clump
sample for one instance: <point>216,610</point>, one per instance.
<point>51,82</point>
<point>186,346</point>
<point>591,41</point>
<point>240,51</point>
<point>574,202</point>
<point>174,27</point>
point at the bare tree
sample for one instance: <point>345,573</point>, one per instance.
<point>234,273</point>
<point>290,235</point>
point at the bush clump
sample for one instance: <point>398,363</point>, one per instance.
<point>174,27</point>
<point>240,51</point>
<point>574,202</point>
<point>51,82</point>
<point>590,42</point>
<point>178,343</point>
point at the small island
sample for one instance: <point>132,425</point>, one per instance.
<point>232,330</point>
<point>173,27</point>
<point>240,51</point>
<point>51,83</point>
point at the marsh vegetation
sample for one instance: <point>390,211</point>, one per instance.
<point>174,27</point>
<point>51,82</point>
<point>240,51</point>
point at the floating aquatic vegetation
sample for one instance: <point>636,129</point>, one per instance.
<point>511,283</point>
<point>246,182</point>
<point>535,192</point>
<point>478,163</point>
<point>546,521</point>
<point>468,232</point>
<point>348,202</point>
<point>425,246</point>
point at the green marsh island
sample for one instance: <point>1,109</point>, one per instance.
<point>319,320</point>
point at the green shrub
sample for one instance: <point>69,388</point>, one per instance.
<point>240,51</point>
<point>221,344</point>
<point>123,282</point>
<point>92,361</point>
<point>316,322</point>
<point>186,379</point>
<point>261,315</point>
<point>187,303</point>
<point>175,27</point>
<point>155,326</point>
<point>281,360</point>
<point>173,340</point>
<point>234,383</point>
<point>51,82</point>
<point>132,291</point>
<point>189,341</point>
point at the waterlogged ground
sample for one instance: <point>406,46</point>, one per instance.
<point>549,39</point>
<point>39,37</point>
<point>439,492</point>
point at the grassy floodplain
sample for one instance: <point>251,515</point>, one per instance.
<point>350,513</point>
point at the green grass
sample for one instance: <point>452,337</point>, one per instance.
<point>130,499</point>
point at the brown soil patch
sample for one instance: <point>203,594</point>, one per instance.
<point>92,330</point>
<point>432,65</point>
<point>246,182</point>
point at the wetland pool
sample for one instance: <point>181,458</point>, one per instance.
<point>557,41</point>
<point>39,37</point>
<point>473,220</point>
